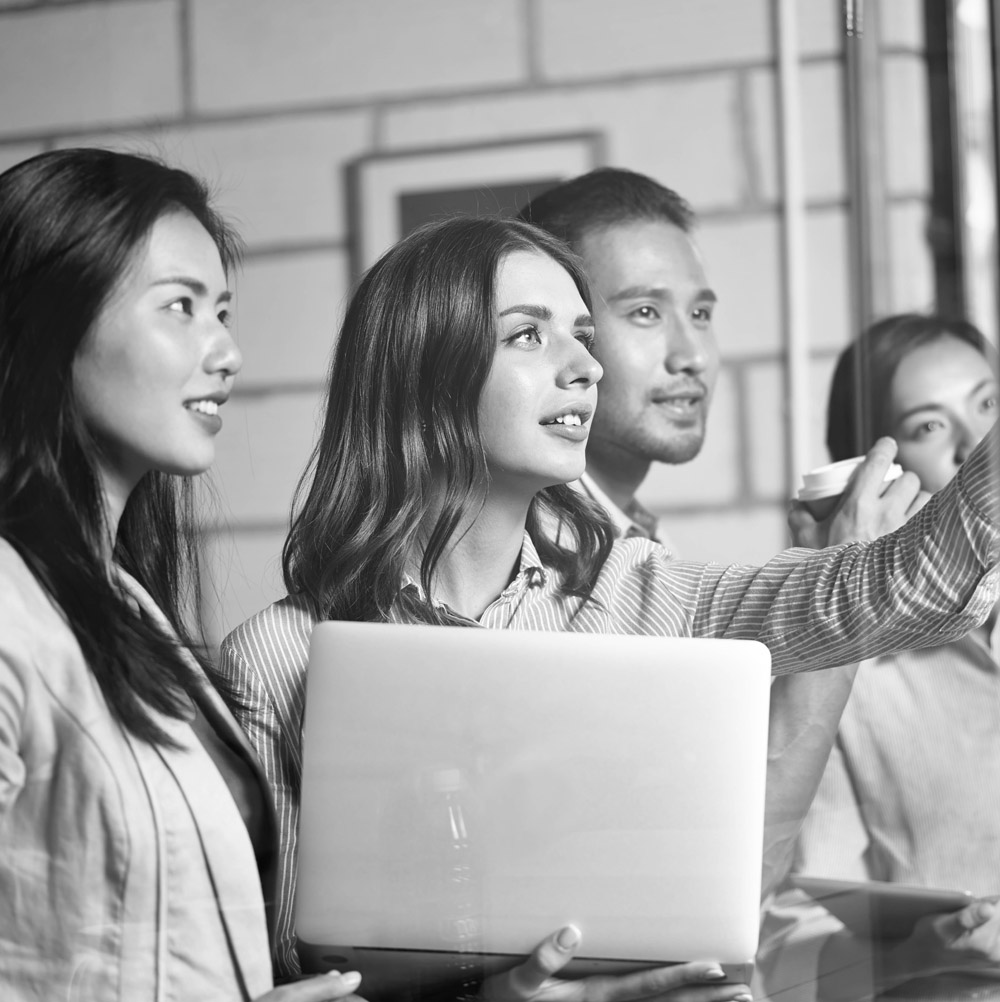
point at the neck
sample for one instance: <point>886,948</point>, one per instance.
<point>483,560</point>
<point>618,474</point>
<point>115,494</point>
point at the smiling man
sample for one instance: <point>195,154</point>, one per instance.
<point>653,313</point>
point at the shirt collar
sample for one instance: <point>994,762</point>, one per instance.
<point>635,520</point>
<point>530,570</point>
<point>530,566</point>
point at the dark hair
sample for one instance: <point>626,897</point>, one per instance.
<point>857,412</point>
<point>604,197</point>
<point>71,224</point>
<point>416,346</point>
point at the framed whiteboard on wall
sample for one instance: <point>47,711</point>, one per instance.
<point>389,195</point>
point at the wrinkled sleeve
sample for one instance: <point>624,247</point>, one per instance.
<point>268,733</point>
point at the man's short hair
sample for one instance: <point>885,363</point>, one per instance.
<point>606,196</point>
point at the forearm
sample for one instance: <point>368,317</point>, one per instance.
<point>805,711</point>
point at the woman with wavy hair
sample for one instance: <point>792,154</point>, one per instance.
<point>459,403</point>
<point>138,837</point>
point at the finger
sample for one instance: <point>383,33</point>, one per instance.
<point>956,924</point>
<point>902,490</point>
<point>868,477</point>
<point>550,956</point>
<point>918,502</point>
<point>716,993</point>
<point>323,988</point>
<point>659,981</point>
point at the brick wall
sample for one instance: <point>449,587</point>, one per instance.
<point>269,101</point>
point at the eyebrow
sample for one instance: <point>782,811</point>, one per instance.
<point>195,285</point>
<point>657,292</point>
<point>935,408</point>
<point>544,313</point>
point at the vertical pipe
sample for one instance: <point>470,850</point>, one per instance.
<point>869,245</point>
<point>793,232</point>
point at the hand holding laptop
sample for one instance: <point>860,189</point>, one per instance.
<point>534,981</point>
<point>330,987</point>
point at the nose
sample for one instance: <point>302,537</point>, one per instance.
<point>225,355</point>
<point>686,347</point>
<point>578,366</point>
<point>968,434</point>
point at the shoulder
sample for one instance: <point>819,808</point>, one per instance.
<point>43,674</point>
<point>276,638</point>
<point>634,567</point>
<point>638,556</point>
<point>33,630</point>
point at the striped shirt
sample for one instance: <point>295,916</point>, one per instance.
<point>636,520</point>
<point>932,581</point>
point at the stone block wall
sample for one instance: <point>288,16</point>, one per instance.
<point>270,101</point>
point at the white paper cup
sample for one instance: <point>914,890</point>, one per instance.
<point>821,488</point>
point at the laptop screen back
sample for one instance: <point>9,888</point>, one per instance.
<point>471,791</point>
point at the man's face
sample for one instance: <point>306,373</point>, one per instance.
<point>652,311</point>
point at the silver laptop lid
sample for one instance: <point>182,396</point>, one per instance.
<point>473,790</point>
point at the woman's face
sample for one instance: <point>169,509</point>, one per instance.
<point>159,361</point>
<point>541,392</point>
<point>942,401</point>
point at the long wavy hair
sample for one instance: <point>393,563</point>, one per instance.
<point>401,446</point>
<point>857,409</point>
<point>72,223</point>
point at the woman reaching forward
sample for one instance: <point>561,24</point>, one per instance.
<point>459,405</point>
<point>137,833</point>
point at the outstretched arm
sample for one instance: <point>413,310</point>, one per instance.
<point>931,581</point>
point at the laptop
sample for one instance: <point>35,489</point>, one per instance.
<point>466,792</point>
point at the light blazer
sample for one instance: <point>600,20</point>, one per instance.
<point>80,845</point>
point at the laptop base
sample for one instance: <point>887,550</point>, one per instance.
<point>412,974</point>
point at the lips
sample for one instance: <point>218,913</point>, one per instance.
<point>682,396</point>
<point>208,404</point>
<point>203,406</point>
<point>570,416</point>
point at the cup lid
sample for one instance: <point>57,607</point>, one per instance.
<point>830,480</point>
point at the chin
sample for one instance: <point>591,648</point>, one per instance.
<point>677,452</point>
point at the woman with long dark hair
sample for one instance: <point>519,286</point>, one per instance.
<point>459,403</point>
<point>137,831</point>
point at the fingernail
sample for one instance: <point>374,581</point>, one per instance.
<point>743,997</point>
<point>714,972</point>
<point>569,936</point>
<point>349,981</point>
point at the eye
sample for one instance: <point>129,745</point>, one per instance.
<point>528,334</point>
<point>225,318</point>
<point>586,337</point>
<point>645,314</point>
<point>702,314</point>
<point>183,305</point>
<point>926,428</point>
<point>988,404</point>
